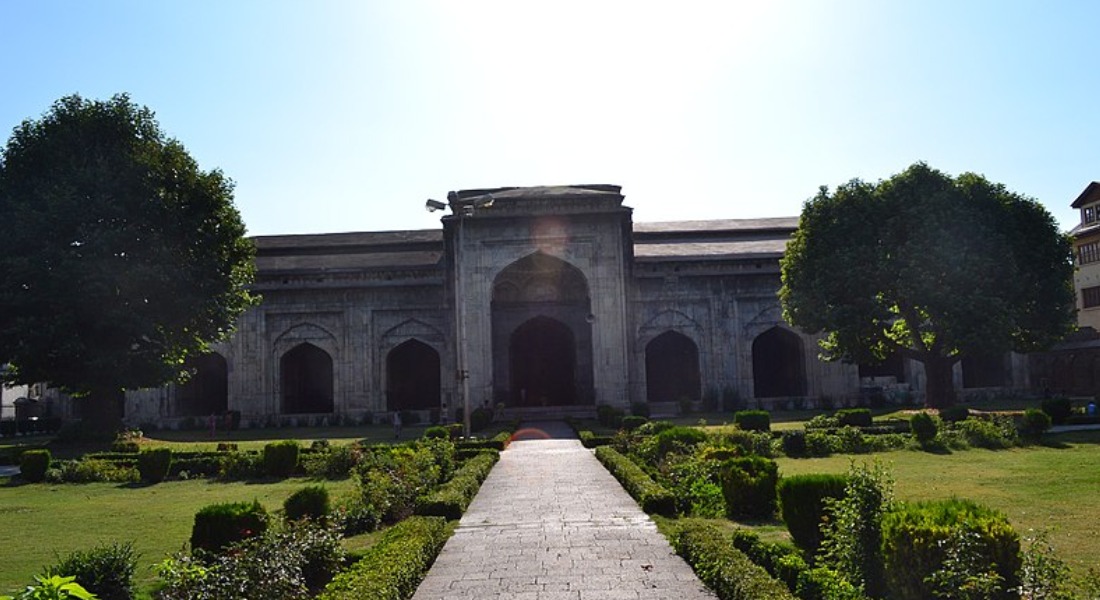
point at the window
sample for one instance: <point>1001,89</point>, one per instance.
<point>1088,253</point>
<point>1089,214</point>
<point>1090,297</point>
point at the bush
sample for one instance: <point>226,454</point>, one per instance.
<point>393,567</point>
<point>609,416</point>
<point>915,539</point>
<point>722,567</point>
<point>454,430</point>
<point>390,479</point>
<point>53,587</point>
<point>745,441</point>
<point>753,420</point>
<point>802,504</point>
<point>1034,424</point>
<point>820,443</point>
<point>437,432</point>
<point>453,497</point>
<point>310,502</point>
<point>281,458</point>
<point>679,439</point>
<point>480,418</point>
<point>748,486</point>
<point>996,433</point>
<point>153,465</point>
<point>852,539</point>
<point>855,417</point>
<point>92,470</point>
<point>650,495</point>
<point>655,427</point>
<point>106,571</point>
<point>1059,409</point>
<point>924,427</point>
<point>33,465</point>
<point>219,525</point>
<point>334,463</point>
<point>639,409</point>
<point>794,443</point>
<point>630,423</point>
<point>954,414</point>
<point>822,422</point>
<point>240,465</point>
<point>823,583</point>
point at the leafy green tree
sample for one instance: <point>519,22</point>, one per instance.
<point>119,257</point>
<point>931,267</point>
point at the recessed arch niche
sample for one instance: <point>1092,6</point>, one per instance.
<point>777,364</point>
<point>412,377</point>
<point>672,368</point>
<point>306,378</point>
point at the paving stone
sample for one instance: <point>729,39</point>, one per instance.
<point>550,523</point>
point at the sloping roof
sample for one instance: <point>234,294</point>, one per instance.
<point>1089,194</point>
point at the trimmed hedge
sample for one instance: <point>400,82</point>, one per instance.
<point>438,432</point>
<point>802,505</point>
<point>650,495</point>
<point>453,497</point>
<point>748,486</point>
<point>632,422</point>
<point>914,539</point>
<point>281,458</point>
<point>218,526</point>
<point>1059,409</point>
<point>33,465</point>
<point>924,427</point>
<point>393,567</point>
<point>497,442</point>
<point>722,567</point>
<point>856,417</point>
<point>753,420</point>
<point>310,502</point>
<point>153,465</point>
<point>465,454</point>
<point>591,440</point>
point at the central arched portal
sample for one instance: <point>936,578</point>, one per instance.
<point>542,334</point>
<point>543,363</point>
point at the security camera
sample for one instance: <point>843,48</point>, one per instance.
<point>434,205</point>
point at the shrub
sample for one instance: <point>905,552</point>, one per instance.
<point>639,409</point>
<point>281,458</point>
<point>1059,409</point>
<point>794,443</point>
<point>240,465</point>
<point>855,417</point>
<point>694,483</point>
<point>480,418</point>
<point>227,446</point>
<point>334,463</point>
<point>153,464</point>
<point>753,420</point>
<point>630,423</point>
<point>454,430</point>
<point>453,497</point>
<point>464,454</point>
<point>748,486</point>
<point>1034,424</point>
<point>650,495</point>
<point>851,540</point>
<point>782,562</point>
<point>822,422</point>
<point>954,414</point>
<point>125,445</point>
<point>219,525</point>
<point>802,503</point>
<point>820,443</point>
<point>33,465</point>
<point>310,502</point>
<point>437,432</point>
<point>679,439</point>
<point>746,441</point>
<point>393,567</point>
<point>53,587</point>
<point>91,470</point>
<point>106,571</point>
<point>655,427</point>
<point>996,433</point>
<point>915,538</point>
<point>722,567</point>
<point>823,583</point>
<point>391,479</point>
<point>609,416</point>
<point>924,427</point>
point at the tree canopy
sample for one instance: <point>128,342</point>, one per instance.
<point>119,257</point>
<point>931,267</point>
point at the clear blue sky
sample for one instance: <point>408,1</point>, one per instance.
<point>345,116</point>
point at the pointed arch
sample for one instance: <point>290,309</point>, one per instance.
<point>306,378</point>
<point>777,364</point>
<point>412,377</point>
<point>672,368</point>
<point>540,277</point>
<point>543,359</point>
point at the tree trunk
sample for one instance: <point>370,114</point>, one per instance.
<point>102,412</point>
<point>940,388</point>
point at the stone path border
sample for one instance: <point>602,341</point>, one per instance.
<point>550,523</point>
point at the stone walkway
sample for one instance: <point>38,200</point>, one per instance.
<point>550,523</point>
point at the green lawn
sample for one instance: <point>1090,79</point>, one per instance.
<point>39,521</point>
<point>1052,488</point>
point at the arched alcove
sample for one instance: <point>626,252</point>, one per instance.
<point>672,368</point>
<point>206,392</point>
<point>543,358</point>
<point>412,377</point>
<point>777,364</point>
<point>306,378</point>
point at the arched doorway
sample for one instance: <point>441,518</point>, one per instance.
<point>672,368</point>
<point>412,377</point>
<point>306,376</point>
<point>543,363</point>
<point>777,369</point>
<point>541,323</point>
<point>206,392</point>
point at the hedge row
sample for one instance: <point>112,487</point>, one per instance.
<point>452,498</point>
<point>393,567</point>
<point>722,567</point>
<point>650,495</point>
<point>497,442</point>
<point>591,440</point>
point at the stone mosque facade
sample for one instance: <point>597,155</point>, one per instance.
<point>549,300</point>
